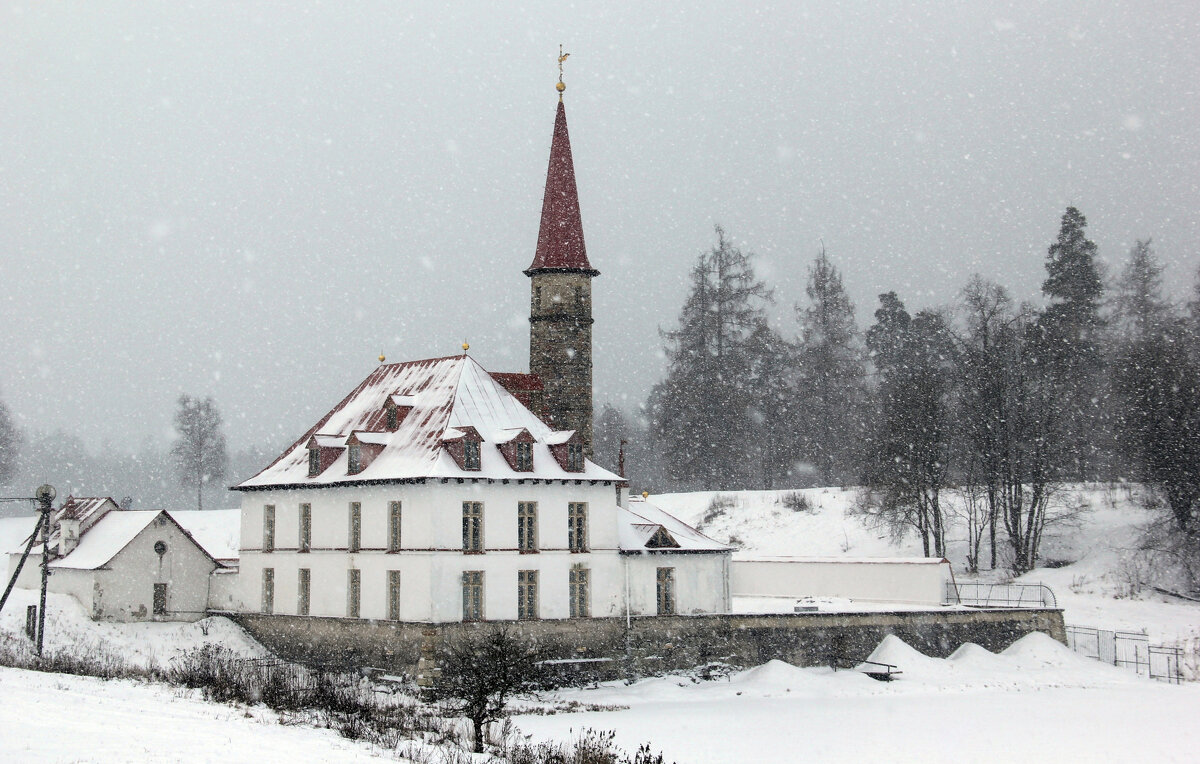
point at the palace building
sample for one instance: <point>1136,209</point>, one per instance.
<point>437,492</point>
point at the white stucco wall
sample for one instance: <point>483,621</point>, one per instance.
<point>125,587</point>
<point>123,590</point>
<point>701,582</point>
<point>917,581</point>
<point>431,562</point>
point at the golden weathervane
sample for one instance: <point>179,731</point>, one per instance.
<point>561,86</point>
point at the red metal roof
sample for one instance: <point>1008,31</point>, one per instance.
<point>560,244</point>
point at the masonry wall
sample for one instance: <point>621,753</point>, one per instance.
<point>560,348</point>
<point>596,647</point>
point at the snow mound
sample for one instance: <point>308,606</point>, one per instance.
<point>899,653</point>
<point>772,674</point>
<point>969,652</point>
<point>1041,649</point>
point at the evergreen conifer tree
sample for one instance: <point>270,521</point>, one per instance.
<point>830,374</point>
<point>701,412</point>
<point>1070,328</point>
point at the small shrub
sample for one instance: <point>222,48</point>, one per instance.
<point>796,501</point>
<point>717,508</point>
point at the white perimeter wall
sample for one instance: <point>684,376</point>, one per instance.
<point>917,581</point>
<point>431,562</point>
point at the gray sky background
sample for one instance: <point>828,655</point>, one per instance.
<point>251,200</point>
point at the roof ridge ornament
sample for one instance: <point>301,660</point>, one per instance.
<point>561,86</point>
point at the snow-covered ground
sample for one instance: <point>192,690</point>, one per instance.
<point>62,718</point>
<point>143,645</point>
<point>1036,701</point>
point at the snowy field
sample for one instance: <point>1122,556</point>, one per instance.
<point>1036,701</point>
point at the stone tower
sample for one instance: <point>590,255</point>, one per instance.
<point>560,314</point>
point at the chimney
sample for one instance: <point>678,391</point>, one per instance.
<point>68,535</point>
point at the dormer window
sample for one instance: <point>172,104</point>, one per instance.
<point>393,420</point>
<point>470,454</point>
<point>354,458</point>
<point>524,457</point>
<point>314,462</point>
<point>574,457</point>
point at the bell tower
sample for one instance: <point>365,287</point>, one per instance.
<point>560,313</point>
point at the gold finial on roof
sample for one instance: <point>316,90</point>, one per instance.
<point>466,346</point>
<point>561,86</point>
<point>645,494</point>
<point>382,357</point>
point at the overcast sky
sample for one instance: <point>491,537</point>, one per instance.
<point>252,200</point>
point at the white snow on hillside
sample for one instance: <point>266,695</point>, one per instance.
<point>1097,583</point>
<point>140,644</point>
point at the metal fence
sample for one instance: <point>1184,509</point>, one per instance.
<point>974,594</point>
<point>1130,649</point>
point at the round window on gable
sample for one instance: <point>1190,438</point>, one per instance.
<point>160,548</point>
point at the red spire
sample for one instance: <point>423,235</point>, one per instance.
<point>560,244</point>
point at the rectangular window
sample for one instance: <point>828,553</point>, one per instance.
<point>580,593</point>
<point>527,595</point>
<point>527,526</point>
<point>666,591</point>
<point>314,462</point>
<point>393,421</point>
<point>524,457</point>
<point>268,590</point>
<point>303,591</point>
<point>160,599</point>
<point>577,526</point>
<point>305,528</point>
<point>472,595</point>
<point>574,457</point>
<point>353,592</point>
<point>393,526</point>
<point>354,543</point>
<point>472,526</point>
<point>268,544</point>
<point>470,454</point>
<point>353,458</point>
<point>393,595</point>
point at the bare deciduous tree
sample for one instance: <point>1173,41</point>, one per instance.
<point>481,671</point>
<point>199,451</point>
<point>10,440</point>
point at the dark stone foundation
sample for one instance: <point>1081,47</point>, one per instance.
<point>600,648</point>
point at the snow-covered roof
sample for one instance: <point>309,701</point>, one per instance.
<point>109,535</point>
<point>559,437</point>
<point>638,525</point>
<point>447,393</point>
<point>113,532</point>
<point>215,530</point>
<point>86,509</point>
<point>15,532</point>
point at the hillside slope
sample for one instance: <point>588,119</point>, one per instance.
<point>1100,578</point>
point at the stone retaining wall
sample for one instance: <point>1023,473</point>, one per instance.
<point>600,648</point>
